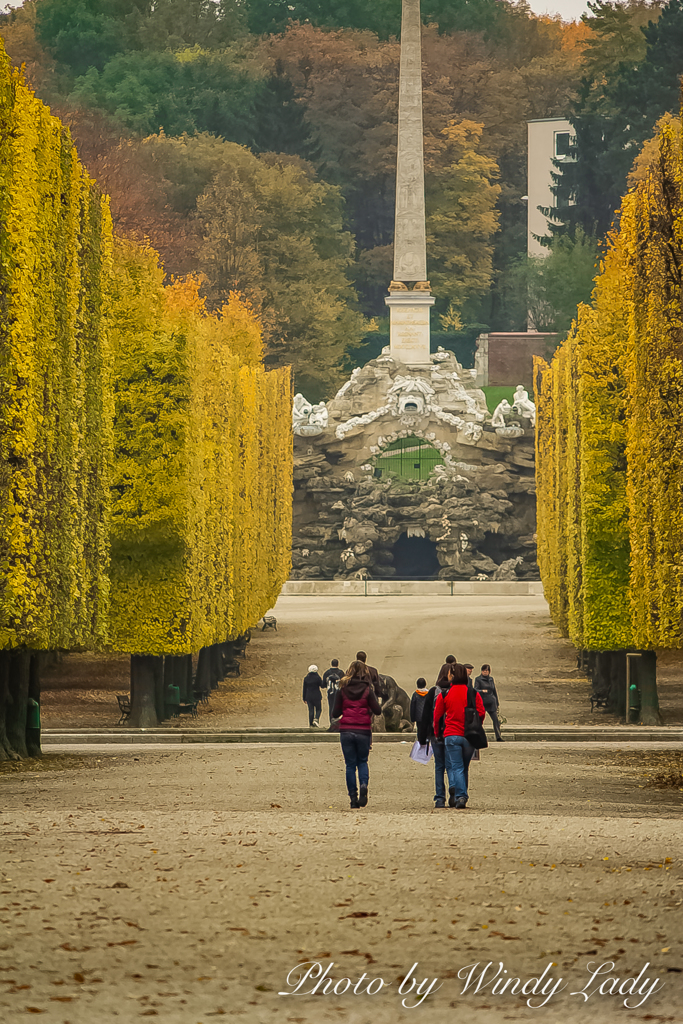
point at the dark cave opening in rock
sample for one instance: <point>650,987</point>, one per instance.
<point>415,558</point>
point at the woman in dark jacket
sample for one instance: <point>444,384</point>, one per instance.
<point>451,708</point>
<point>487,688</point>
<point>313,685</point>
<point>355,705</point>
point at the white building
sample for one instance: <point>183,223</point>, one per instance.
<point>549,138</point>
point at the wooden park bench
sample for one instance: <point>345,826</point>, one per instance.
<point>232,668</point>
<point>598,701</point>
<point>269,622</point>
<point>124,707</point>
<point>188,708</point>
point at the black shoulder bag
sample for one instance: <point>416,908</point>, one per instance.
<point>474,730</point>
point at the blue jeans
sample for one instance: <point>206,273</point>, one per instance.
<point>439,769</point>
<point>458,756</point>
<point>356,749</point>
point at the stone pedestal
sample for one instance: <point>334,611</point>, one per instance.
<point>409,326</point>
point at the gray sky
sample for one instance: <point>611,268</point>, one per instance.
<point>570,10</point>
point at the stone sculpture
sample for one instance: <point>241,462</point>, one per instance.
<point>395,704</point>
<point>502,409</point>
<point>523,405</point>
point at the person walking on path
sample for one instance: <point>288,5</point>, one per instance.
<point>354,706</point>
<point>331,680</point>
<point>425,732</point>
<point>458,751</point>
<point>417,701</point>
<point>374,674</point>
<point>313,684</point>
<point>487,688</point>
<point>445,669</point>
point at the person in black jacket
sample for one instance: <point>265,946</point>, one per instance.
<point>331,680</point>
<point>487,688</point>
<point>313,684</point>
<point>425,732</point>
<point>417,701</point>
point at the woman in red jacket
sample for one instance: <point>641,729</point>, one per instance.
<point>355,704</point>
<point>451,708</point>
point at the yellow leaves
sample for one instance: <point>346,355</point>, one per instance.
<point>610,424</point>
<point>202,487</point>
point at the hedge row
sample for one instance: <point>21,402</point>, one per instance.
<point>201,487</point>
<point>145,453</point>
<point>610,434</point>
<point>55,416</point>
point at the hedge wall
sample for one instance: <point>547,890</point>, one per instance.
<point>201,507</point>
<point>55,424</point>
<point>610,435</point>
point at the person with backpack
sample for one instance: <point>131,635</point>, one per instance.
<point>354,706</point>
<point>425,732</point>
<point>313,684</point>
<point>449,721</point>
<point>417,701</point>
<point>331,680</point>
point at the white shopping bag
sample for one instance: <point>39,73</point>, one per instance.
<point>422,753</point>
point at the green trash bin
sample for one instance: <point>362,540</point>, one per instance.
<point>172,701</point>
<point>633,703</point>
<point>33,714</point>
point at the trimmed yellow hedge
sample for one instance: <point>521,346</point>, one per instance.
<point>201,510</point>
<point>55,423</point>
<point>610,435</point>
<point>145,453</point>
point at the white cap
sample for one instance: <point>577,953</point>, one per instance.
<point>312,668</point>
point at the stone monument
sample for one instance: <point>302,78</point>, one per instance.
<point>409,310</point>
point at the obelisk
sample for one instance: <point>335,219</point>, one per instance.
<point>409,310</point>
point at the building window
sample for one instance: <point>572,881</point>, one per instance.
<point>564,142</point>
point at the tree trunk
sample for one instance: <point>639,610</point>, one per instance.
<point>33,734</point>
<point>645,672</point>
<point>143,678</point>
<point>216,666</point>
<point>17,705</point>
<point>189,681</point>
<point>6,751</point>
<point>164,680</point>
<point>617,693</point>
<point>202,683</point>
<point>601,674</point>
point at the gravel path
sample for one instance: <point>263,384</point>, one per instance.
<point>187,884</point>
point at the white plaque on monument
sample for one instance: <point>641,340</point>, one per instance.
<point>409,338</point>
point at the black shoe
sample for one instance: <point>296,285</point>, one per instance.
<point>354,803</point>
<point>363,798</point>
<point>461,803</point>
<point>499,739</point>
<point>451,797</point>
<point>439,804</point>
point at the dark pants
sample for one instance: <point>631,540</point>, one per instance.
<point>439,769</point>
<point>331,697</point>
<point>355,748</point>
<point>314,709</point>
<point>491,709</point>
<point>458,756</point>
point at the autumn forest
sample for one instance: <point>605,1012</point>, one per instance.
<point>253,142</point>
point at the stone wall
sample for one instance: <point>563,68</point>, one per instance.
<point>506,359</point>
